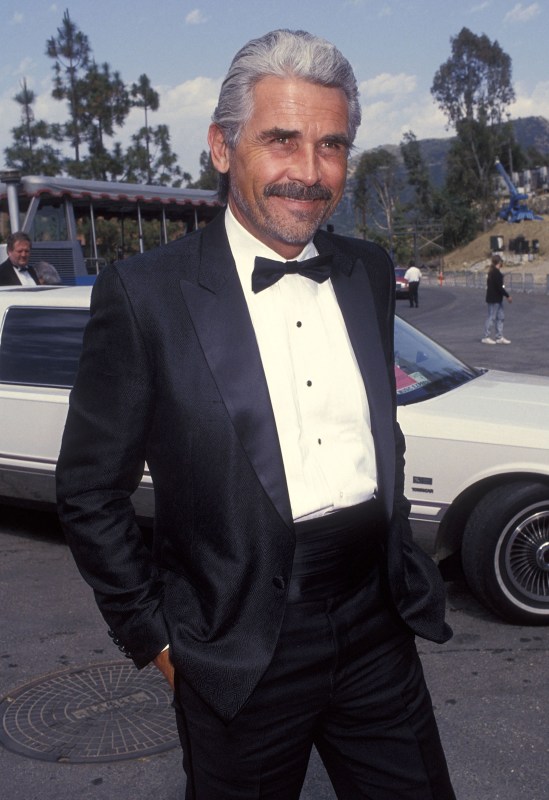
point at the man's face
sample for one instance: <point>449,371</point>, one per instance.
<point>20,254</point>
<point>288,170</point>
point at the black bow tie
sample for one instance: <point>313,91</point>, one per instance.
<point>267,271</point>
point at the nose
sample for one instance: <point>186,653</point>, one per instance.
<point>305,166</point>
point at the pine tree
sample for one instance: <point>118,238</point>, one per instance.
<point>31,151</point>
<point>71,51</point>
<point>145,97</point>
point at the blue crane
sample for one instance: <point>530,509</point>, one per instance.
<point>514,211</point>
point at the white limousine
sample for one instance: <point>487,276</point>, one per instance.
<point>482,482</point>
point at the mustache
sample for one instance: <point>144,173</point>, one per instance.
<point>295,191</point>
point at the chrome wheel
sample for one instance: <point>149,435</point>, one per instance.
<point>505,552</point>
<point>522,556</point>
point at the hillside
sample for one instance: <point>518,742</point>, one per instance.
<point>532,132</point>
<point>529,132</point>
<point>478,250</point>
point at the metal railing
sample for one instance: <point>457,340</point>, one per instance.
<point>525,282</point>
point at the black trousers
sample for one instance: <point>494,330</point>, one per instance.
<point>346,678</point>
<point>413,293</point>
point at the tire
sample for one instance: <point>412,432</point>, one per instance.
<point>505,552</point>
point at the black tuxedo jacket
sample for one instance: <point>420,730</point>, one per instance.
<point>171,374</point>
<point>8,276</point>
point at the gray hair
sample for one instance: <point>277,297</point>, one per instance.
<point>282,53</point>
<point>47,274</point>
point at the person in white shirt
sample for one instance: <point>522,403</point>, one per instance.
<point>413,276</point>
<point>250,365</point>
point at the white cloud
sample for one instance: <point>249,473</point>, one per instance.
<point>520,13</point>
<point>385,11</point>
<point>44,107</point>
<point>186,109</point>
<point>195,17</point>
<point>10,118</point>
<point>49,109</point>
<point>17,18</point>
<point>387,84</point>
<point>387,117</point>
<point>480,7</point>
<point>25,68</point>
<point>386,121</point>
<point>193,99</point>
<point>533,104</point>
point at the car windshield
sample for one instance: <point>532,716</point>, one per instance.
<point>400,272</point>
<point>423,368</point>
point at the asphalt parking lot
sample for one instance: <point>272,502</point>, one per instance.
<point>488,683</point>
<point>455,318</point>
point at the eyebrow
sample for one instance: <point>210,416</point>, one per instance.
<point>279,133</point>
<point>286,133</point>
<point>338,138</point>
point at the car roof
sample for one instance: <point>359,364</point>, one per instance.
<point>51,296</point>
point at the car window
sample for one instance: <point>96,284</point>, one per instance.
<point>41,346</point>
<point>423,368</point>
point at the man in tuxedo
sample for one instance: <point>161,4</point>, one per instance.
<point>15,270</point>
<point>250,364</point>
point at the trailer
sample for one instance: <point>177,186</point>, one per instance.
<point>63,217</point>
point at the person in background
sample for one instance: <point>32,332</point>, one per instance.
<point>15,270</point>
<point>495,292</point>
<point>250,365</point>
<point>46,274</point>
<point>413,276</point>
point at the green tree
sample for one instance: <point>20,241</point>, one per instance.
<point>418,176</point>
<point>376,189</point>
<point>533,159</point>
<point>31,151</point>
<point>158,165</point>
<point>474,88</point>
<point>475,82</point>
<point>70,50</point>
<point>209,176</point>
<point>458,219</point>
<point>145,97</point>
<point>105,104</point>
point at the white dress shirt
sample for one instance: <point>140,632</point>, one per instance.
<point>24,276</point>
<point>413,274</point>
<point>317,392</point>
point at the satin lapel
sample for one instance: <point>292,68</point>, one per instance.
<point>221,319</point>
<point>354,294</point>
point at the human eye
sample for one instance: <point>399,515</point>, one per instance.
<point>335,144</point>
<point>283,140</point>
<point>279,138</point>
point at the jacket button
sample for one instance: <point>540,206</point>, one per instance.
<point>279,582</point>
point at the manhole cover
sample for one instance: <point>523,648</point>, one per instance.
<point>106,712</point>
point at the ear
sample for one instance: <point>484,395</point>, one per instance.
<point>219,149</point>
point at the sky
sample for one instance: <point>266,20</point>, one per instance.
<point>185,47</point>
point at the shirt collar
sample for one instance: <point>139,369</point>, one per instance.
<point>245,247</point>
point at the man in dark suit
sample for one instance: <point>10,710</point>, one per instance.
<point>251,366</point>
<point>15,270</point>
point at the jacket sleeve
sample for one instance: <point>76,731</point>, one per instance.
<point>100,466</point>
<point>415,581</point>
